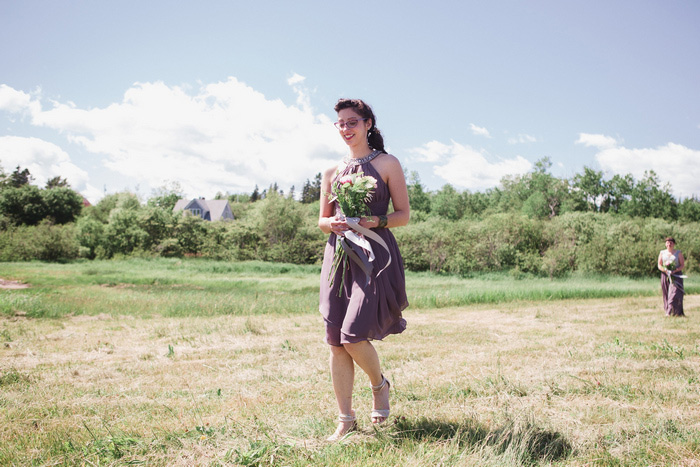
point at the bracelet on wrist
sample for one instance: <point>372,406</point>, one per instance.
<point>382,222</point>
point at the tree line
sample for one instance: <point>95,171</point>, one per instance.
<point>534,223</point>
<point>539,194</point>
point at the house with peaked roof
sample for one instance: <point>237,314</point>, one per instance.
<point>207,209</point>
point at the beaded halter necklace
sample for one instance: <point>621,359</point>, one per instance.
<point>351,161</point>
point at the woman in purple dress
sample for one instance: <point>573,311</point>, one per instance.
<point>361,303</point>
<point>671,264</point>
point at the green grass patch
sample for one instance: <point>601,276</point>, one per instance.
<point>197,287</point>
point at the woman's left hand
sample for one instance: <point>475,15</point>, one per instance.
<point>368,222</point>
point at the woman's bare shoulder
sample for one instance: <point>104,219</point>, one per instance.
<point>389,161</point>
<point>330,172</point>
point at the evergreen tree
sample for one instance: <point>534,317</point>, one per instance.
<point>305,198</point>
<point>311,192</point>
<point>57,182</point>
<point>417,197</point>
<point>19,178</point>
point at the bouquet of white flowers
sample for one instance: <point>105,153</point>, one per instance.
<point>670,265</point>
<point>352,192</point>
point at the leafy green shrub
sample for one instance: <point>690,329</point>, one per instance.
<point>500,241</point>
<point>158,224</point>
<point>62,204</point>
<point>243,240</point>
<point>168,248</point>
<point>56,242</point>
<point>90,236</point>
<point>16,245</point>
<point>45,242</point>
<point>688,241</point>
<point>557,261</point>
<point>632,248</point>
<point>23,205</point>
<point>425,246</point>
<point>190,232</point>
<point>123,235</point>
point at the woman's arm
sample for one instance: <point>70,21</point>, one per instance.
<point>327,221</point>
<point>399,196</point>
<point>660,264</point>
<point>326,211</point>
<point>681,262</point>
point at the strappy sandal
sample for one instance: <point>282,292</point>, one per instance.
<point>339,432</point>
<point>380,413</point>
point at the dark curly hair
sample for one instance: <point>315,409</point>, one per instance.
<point>374,136</point>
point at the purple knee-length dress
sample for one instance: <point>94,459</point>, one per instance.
<point>365,310</point>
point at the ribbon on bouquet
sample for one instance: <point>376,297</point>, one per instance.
<point>676,284</point>
<point>356,245</point>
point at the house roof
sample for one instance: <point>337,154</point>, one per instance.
<point>217,208</point>
<point>212,209</point>
<point>181,204</point>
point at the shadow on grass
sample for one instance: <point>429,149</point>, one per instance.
<point>521,440</point>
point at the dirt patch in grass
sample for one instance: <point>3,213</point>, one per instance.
<point>7,284</point>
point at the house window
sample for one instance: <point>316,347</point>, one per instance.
<point>196,211</point>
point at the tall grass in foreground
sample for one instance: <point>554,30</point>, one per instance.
<point>175,287</point>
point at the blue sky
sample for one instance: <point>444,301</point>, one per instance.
<point>224,95</point>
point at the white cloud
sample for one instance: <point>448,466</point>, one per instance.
<point>16,101</point>
<point>465,167</point>
<point>44,160</point>
<point>295,79</point>
<point>521,139</point>
<point>303,99</point>
<point>598,141</point>
<point>673,163</point>
<point>224,136</point>
<point>477,130</point>
<point>433,151</point>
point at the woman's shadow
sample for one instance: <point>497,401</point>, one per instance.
<point>521,439</point>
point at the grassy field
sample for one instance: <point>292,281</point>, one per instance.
<point>173,287</point>
<point>206,363</point>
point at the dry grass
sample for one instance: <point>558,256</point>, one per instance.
<point>580,382</point>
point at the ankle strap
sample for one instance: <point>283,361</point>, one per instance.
<point>380,385</point>
<point>346,417</point>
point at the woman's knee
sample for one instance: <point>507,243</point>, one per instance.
<point>338,350</point>
<point>351,347</point>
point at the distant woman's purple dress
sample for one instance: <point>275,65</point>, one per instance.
<point>364,310</point>
<point>672,290</point>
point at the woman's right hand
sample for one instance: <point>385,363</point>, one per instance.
<point>338,226</point>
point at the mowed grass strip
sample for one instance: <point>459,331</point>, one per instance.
<point>565,382</point>
<point>194,287</point>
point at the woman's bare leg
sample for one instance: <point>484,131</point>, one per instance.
<point>343,376</point>
<point>365,355</point>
